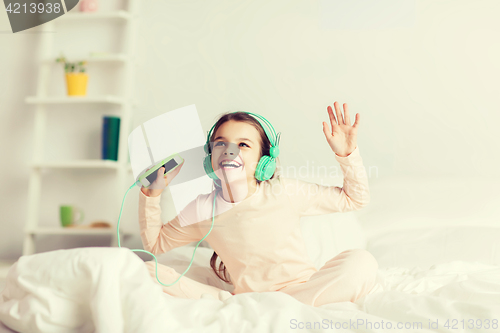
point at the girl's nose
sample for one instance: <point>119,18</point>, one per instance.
<point>232,149</point>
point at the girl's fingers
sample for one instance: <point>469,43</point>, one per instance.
<point>356,122</point>
<point>346,115</point>
<point>160,171</point>
<point>339,114</point>
<point>332,117</point>
<point>326,130</point>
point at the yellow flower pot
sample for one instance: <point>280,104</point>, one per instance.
<point>77,84</point>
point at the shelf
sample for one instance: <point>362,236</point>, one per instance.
<point>105,58</point>
<point>74,231</point>
<point>122,59</point>
<point>80,164</point>
<point>74,100</point>
<point>75,16</point>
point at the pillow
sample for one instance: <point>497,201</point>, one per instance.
<point>405,203</point>
<point>425,247</point>
<point>325,236</point>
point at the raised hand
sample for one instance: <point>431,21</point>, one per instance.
<point>342,137</point>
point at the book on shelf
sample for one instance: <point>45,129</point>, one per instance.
<point>110,137</point>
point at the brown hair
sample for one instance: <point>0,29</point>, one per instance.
<point>265,145</point>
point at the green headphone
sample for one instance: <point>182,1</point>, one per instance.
<point>267,164</point>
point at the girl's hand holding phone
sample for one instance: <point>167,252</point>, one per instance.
<point>161,182</point>
<point>342,138</point>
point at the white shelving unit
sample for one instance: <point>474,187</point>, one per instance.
<point>42,103</point>
<point>74,100</point>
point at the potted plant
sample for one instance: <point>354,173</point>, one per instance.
<point>76,77</point>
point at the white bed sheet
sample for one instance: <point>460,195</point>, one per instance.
<point>110,290</point>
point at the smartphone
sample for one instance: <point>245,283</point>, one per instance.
<point>170,163</point>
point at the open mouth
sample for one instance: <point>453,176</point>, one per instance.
<point>229,165</point>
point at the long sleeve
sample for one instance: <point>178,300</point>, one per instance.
<point>314,199</point>
<point>159,238</point>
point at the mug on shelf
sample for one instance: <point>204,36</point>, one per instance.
<point>70,215</point>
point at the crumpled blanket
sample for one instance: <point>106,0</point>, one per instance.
<point>110,290</point>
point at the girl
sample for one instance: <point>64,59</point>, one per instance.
<point>256,230</point>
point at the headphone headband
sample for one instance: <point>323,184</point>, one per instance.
<point>273,139</point>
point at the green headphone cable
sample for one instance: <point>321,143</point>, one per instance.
<point>156,261</point>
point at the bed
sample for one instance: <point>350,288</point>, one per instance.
<point>439,270</point>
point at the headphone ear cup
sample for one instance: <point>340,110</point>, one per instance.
<point>265,168</point>
<point>207,165</point>
<point>270,168</point>
<point>259,174</point>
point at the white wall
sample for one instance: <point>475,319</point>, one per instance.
<point>427,93</point>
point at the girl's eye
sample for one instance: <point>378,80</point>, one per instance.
<point>217,143</point>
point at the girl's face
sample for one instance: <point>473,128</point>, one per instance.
<point>240,143</point>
